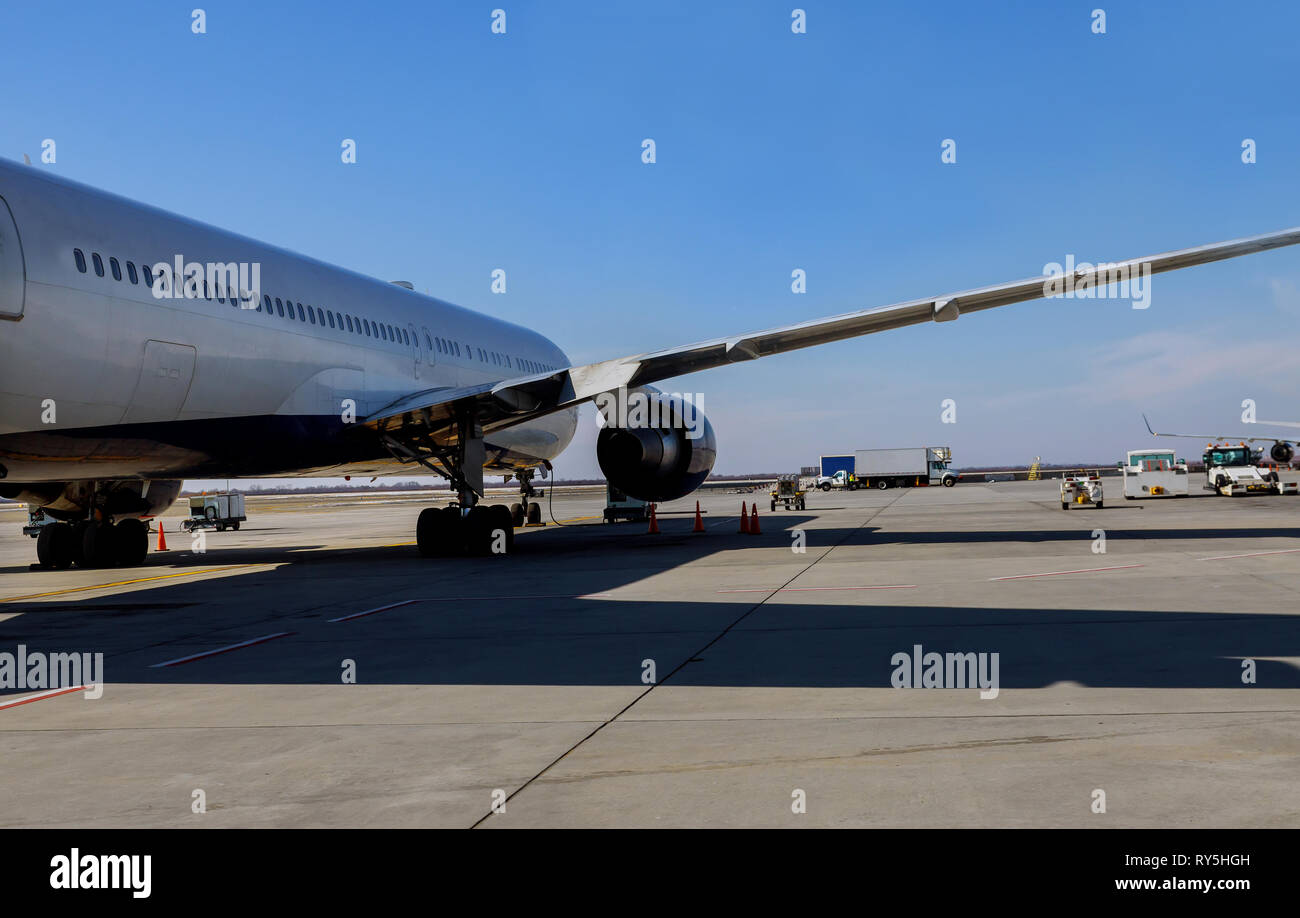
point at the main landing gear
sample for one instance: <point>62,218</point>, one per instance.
<point>92,543</point>
<point>465,527</point>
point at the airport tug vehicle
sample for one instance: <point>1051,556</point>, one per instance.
<point>220,511</point>
<point>1081,489</point>
<point>786,490</point>
<point>1154,473</point>
<point>1230,471</point>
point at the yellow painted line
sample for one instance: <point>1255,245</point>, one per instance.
<point>105,586</point>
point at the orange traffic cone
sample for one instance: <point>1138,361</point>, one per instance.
<point>654,523</point>
<point>744,518</point>
<point>753,522</point>
<point>699,521</point>
<point>162,539</point>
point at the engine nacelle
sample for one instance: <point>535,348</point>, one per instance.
<point>653,446</point>
<point>119,500</point>
<point>1282,452</point>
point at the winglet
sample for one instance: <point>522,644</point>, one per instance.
<point>1148,423</point>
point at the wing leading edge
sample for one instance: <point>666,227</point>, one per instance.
<point>433,412</point>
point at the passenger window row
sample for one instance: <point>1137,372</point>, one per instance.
<point>283,308</point>
<point>315,315</point>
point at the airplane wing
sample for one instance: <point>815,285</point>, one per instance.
<point>430,416</point>
<point>1225,437</point>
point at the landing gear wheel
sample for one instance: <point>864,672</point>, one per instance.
<point>534,513</point>
<point>54,547</point>
<point>98,545</point>
<point>479,524</point>
<point>503,522</point>
<point>132,542</point>
<point>517,515</point>
<point>437,532</point>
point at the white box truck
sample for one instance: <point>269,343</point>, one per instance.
<point>1154,473</point>
<point>904,468</point>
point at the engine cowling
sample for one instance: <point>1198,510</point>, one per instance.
<point>653,446</point>
<point>70,500</point>
<point>1282,452</point>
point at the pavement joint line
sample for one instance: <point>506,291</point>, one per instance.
<point>220,650</point>
<point>689,659</point>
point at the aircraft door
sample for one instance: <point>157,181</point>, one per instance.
<point>415,348</point>
<point>13,274</point>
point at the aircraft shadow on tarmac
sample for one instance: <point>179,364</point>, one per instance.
<point>532,619</point>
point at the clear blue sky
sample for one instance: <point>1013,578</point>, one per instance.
<point>775,151</point>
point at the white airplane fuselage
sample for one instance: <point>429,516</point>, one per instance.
<point>101,379</point>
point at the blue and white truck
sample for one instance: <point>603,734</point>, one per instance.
<point>888,468</point>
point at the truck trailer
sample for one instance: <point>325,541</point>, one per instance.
<point>889,468</point>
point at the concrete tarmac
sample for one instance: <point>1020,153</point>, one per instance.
<point>1120,671</point>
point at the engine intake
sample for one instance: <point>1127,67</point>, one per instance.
<point>1282,452</point>
<point>653,446</point>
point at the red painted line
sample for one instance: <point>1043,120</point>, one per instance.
<point>348,618</point>
<point>396,605</point>
<point>1253,554</point>
<point>1086,570</point>
<point>896,586</point>
<point>212,653</point>
<point>53,693</point>
<point>517,598</point>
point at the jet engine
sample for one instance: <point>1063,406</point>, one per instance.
<point>117,500</point>
<point>653,446</point>
<point>1282,452</point>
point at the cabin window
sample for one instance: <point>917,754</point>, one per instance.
<point>301,317</point>
<point>117,269</point>
<point>349,319</point>
<point>81,260</point>
<point>99,263</point>
<point>148,274</point>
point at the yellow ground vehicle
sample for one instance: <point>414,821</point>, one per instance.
<point>786,491</point>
